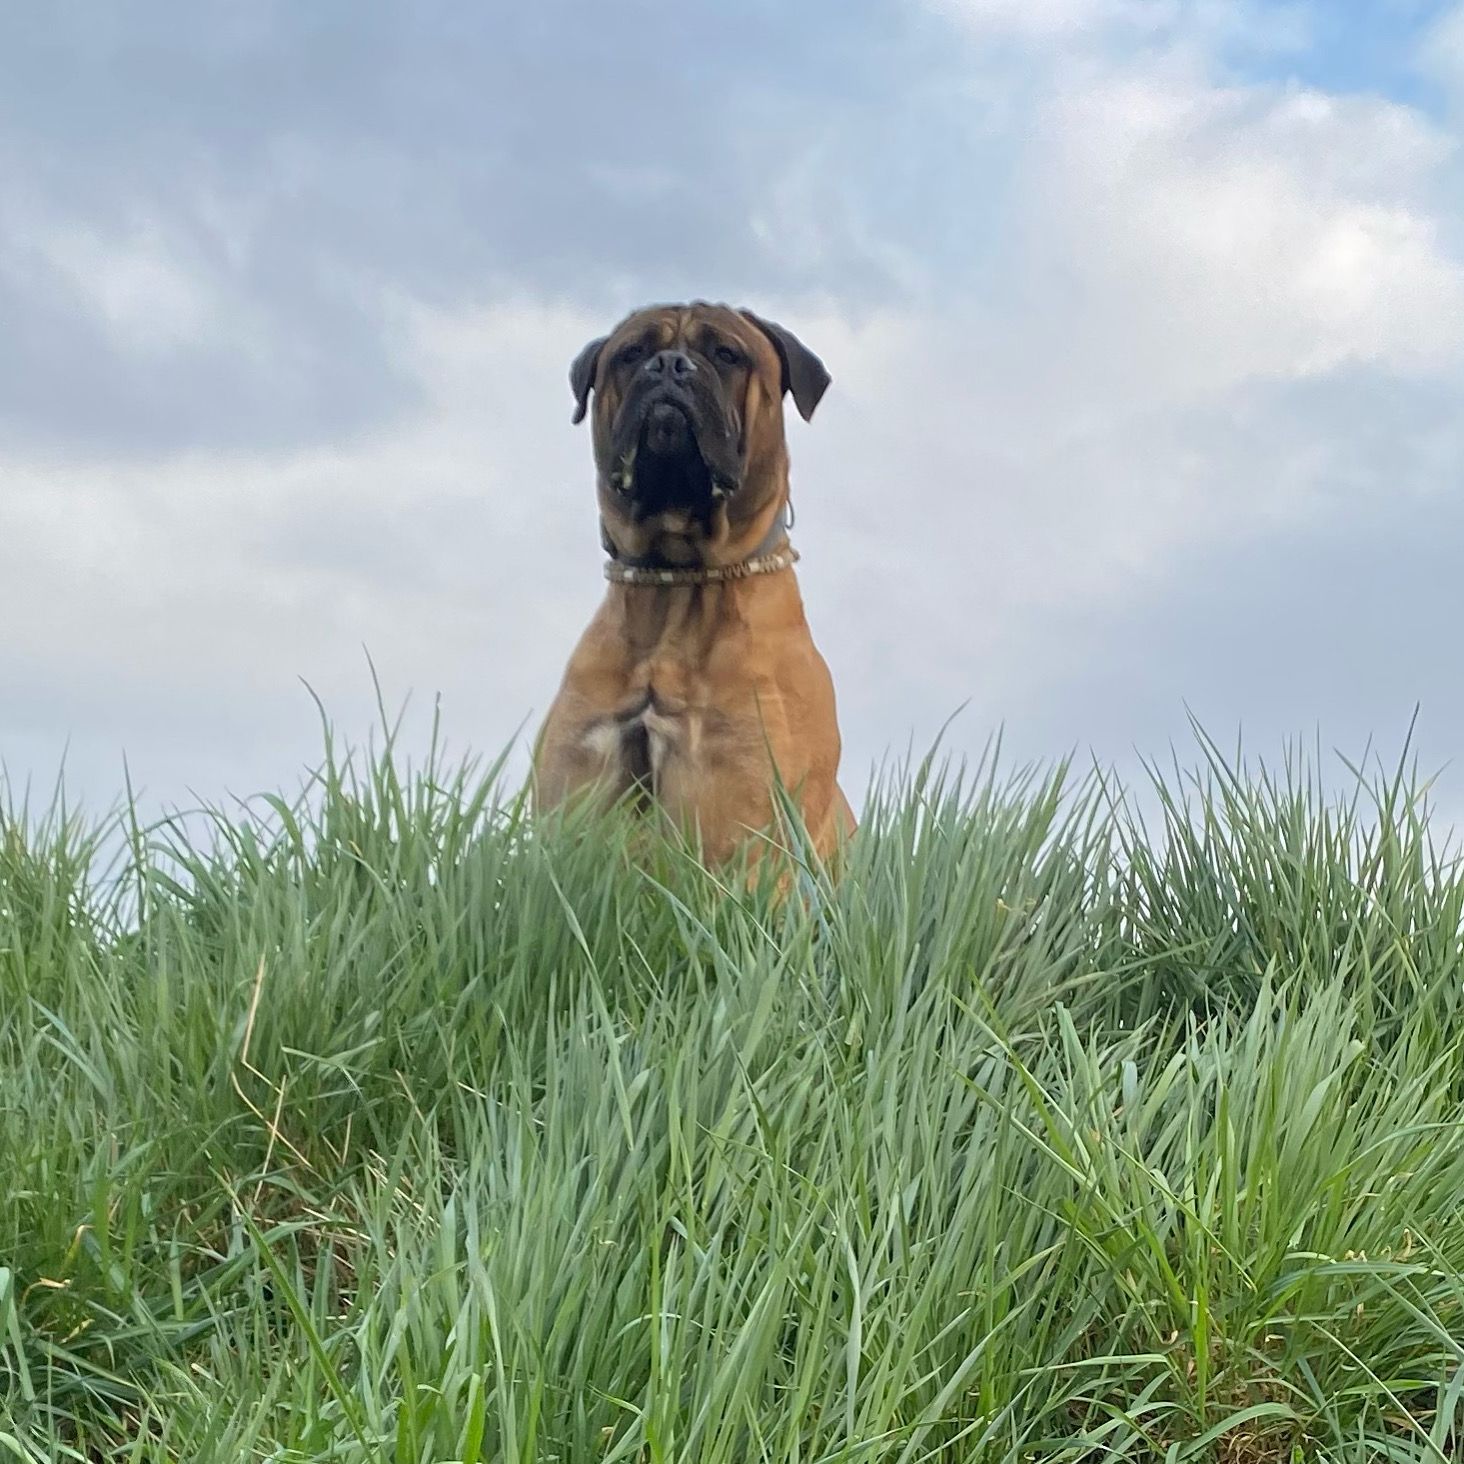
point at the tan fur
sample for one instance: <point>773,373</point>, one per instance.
<point>705,688</point>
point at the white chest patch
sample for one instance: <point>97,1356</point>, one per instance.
<point>663,736</point>
<point>639,748</point>
<point>602,739</point>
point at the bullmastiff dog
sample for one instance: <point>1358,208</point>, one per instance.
<point>697,679</point>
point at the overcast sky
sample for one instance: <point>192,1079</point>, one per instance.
<point>1145,318</point>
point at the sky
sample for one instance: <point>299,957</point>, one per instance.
<point>1145,320</point>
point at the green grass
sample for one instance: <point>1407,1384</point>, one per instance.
<point>374,1126</point>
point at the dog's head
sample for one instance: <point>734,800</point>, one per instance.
<point>688,427</point>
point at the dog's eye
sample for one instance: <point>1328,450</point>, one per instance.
<point>727,356</point>
<point>629,355</point>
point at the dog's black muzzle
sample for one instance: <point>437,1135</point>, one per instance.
<point>675,442</point>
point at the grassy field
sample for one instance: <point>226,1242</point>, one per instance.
<point>370,1127</point>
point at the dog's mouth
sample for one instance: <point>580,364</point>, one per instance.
<point>672,459</point>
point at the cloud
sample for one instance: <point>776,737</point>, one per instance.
<point>1223,313</point>
<point>1107,316</point>
<point>456,544</point>
<point>1227,232</point>
<point>1042,19</point>
<point>160,330</point>
<point>1442,49</point>
<point>201,212</point>
<point>136,284</point>
<point>1217,26</point>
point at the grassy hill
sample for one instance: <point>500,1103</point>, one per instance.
<point>374,1127</point>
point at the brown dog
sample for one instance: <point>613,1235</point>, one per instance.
<point>697,677</point>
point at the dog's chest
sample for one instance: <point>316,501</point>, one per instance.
<point>641,745</point>
<point>649,742</point>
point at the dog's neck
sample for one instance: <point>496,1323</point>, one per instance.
<point>771,555</point>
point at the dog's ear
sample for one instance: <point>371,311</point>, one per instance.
<point>582,376</point>
<point>803,373</point>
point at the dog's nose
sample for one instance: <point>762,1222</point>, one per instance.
<point>673,364</point>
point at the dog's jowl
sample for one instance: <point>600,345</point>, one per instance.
<point>697,679</point>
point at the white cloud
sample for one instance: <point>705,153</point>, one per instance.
<point>1220,233</point>
<point>1442,51</point>
<point>995,469</point>
<point>1186,256</point>
<point>1249,25</point>
<point>458,547</point>
<point>1044,19</point>
<point>141,285</point>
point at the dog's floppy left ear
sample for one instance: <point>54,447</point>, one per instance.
<point>803,373</point>
<point>582,376</point>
